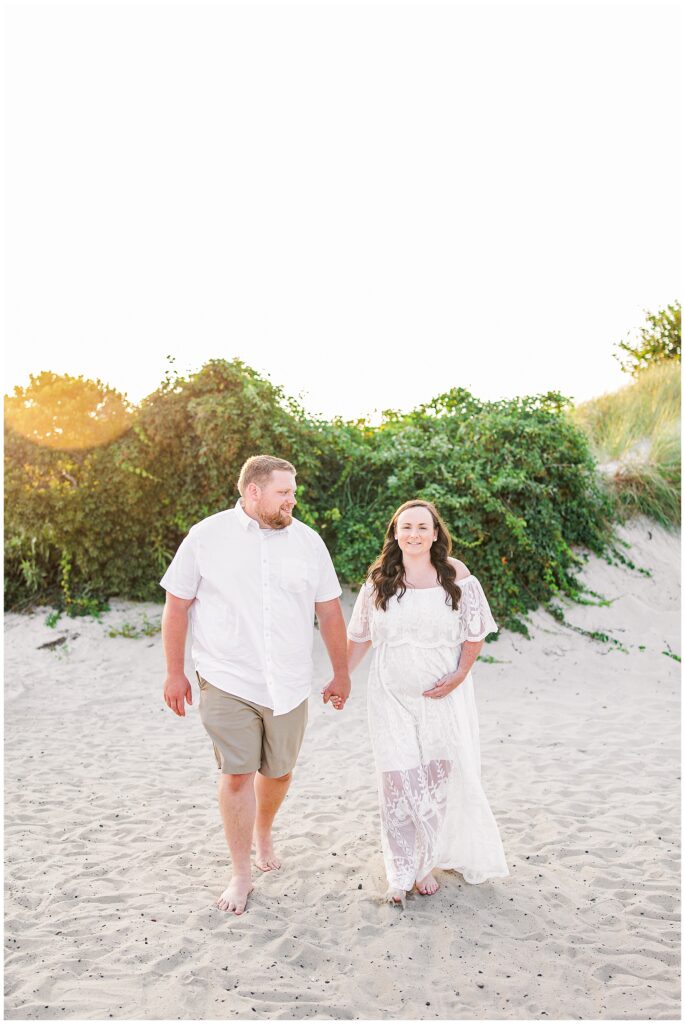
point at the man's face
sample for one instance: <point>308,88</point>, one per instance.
<point>275,500</point>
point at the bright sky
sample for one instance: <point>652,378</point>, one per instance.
<point>369,202</point>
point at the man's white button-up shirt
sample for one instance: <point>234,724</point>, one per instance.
<point>252,619</point>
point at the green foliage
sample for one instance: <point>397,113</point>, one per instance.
<point>659,341</point>
<point>130,631</point>
<point>635,437</point>
<point>67,413</point>
<point>148,628</point>
<point>515,481</point>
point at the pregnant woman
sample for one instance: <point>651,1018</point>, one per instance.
<point>426,618</point>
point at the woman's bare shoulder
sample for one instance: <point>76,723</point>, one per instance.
<point>462,570</point>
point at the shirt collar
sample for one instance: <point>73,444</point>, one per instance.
<point>245,521</point>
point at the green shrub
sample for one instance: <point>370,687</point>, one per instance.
<point>514,480</point>
<point>659,341</point>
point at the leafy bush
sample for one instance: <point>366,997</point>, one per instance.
<point>119,511</point>
<point>514,480</point>
<point>659,341</point>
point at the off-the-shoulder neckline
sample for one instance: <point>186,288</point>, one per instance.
<point>441,587</point>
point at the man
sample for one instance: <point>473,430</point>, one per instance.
<point>251,579</point>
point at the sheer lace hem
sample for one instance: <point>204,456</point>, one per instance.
<point>472,877</point>
<point>477,639</point>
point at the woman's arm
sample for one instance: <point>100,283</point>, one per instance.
<point>470,650</point>
<point>355,653</point>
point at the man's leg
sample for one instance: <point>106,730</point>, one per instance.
<point>270,794</point>
<point>237,806</point>
<point>236,731</point>
<point>281,744</point>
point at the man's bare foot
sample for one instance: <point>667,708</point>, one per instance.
<point>427,886</point>
<point>234,898</point>
<point>265,858</point>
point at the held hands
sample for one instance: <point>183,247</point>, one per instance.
<point>445,685</point>
<point>337,691</point>
<point>176,688</point>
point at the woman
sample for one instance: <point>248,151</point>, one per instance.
<point>426,618</point>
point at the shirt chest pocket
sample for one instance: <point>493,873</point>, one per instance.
<point>295,575</point>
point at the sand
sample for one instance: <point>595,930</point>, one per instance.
<point>114,850</point>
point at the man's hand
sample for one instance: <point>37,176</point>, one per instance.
<point>176,689</point>
<point>337,691</point>
<point>445,685</point>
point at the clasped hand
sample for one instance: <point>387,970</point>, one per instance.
<point>445,685</point>
<point>337,691</point>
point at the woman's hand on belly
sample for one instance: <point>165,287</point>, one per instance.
<point>445,685</point>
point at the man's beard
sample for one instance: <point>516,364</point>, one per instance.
<point>274,520</point>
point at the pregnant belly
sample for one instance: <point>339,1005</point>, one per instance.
<point>407,670</point>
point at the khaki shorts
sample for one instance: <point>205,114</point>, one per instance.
<point>248,737</point>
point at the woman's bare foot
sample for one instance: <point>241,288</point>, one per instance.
<point>397,896</point>
<point>234,898</point>
<point>265,858</point>
<point>427,886</point>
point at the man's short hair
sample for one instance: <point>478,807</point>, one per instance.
<point>259,468</point>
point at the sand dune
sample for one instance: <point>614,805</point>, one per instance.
<point>114,851</point>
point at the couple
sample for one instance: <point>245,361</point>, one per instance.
<point>251,579</point>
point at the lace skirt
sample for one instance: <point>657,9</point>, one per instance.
<point>433,810</point>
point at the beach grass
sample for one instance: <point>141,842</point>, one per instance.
<point>635,436</point>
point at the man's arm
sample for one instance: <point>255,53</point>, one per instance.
<point>174,630</point>
<point>334,634</point>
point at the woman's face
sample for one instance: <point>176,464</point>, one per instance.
<point>414,531</point>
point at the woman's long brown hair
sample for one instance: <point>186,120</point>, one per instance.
<point>387,572</point>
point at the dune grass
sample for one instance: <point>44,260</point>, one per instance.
<point>635,437</point>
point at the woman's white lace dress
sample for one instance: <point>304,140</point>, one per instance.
<point>434,813</point>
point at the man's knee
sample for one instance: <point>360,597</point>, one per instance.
<point>277,778</point>
<point>237,783</point>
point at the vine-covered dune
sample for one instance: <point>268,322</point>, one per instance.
<point>514,480</point>
<point>115,852</point>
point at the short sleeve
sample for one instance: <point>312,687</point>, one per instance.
<point>182,578</point>
<point>327,585</point>
<point>359,628</point>
<point>476,617</point>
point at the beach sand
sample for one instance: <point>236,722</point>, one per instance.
<point>115,853</point>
